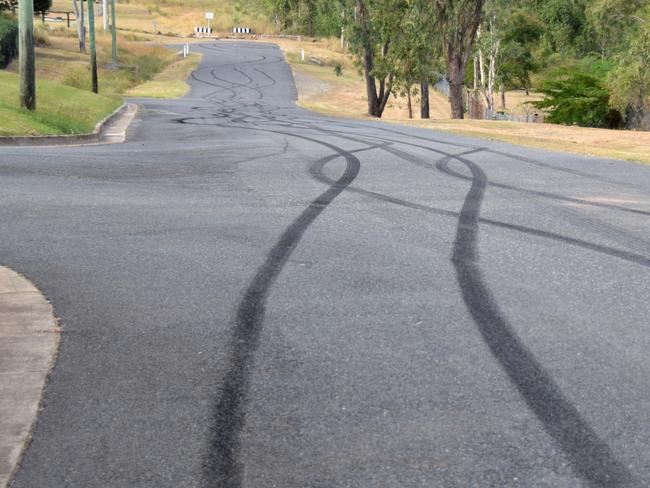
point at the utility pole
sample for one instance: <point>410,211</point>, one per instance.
<point>93,50</point>
<point>26,54</point>
<point>114,33</point>
<point>105,14</point>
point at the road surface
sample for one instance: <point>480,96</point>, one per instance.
<point>254,295</point>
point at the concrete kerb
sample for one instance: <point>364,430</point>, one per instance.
<point>96,136</point>
<point>29,340</point>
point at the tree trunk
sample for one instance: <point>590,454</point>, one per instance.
<point>376,101</point>
<point>371,88</point>
<point>456,98</point>
<point>424,99</point>
<point>310,19</point>
<point>456,78</point>
<point>459,31</point>
<point>475,73</point>
<point>409,103</point>
<point>105,14</point>
<point>342,29</point>
<point>81,26</point>
<point>503,96</point>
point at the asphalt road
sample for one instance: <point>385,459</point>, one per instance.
<point>257,296</point>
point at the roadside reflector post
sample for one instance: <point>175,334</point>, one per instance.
<point>302,54</point>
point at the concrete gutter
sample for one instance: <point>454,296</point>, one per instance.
<point>104,132</point>
<point>29,339</point>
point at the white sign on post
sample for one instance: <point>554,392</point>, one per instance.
<point>209,16</point>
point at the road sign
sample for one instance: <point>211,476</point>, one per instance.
<point>209,16</point>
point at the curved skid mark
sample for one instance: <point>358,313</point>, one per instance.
<point>222,467</point>
<point>589,455</point>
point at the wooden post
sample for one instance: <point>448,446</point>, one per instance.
<point>114,32</point>
<point>26,54</point>
<point>93,50</point>
<point>424,99</point>
<point>67,14</point>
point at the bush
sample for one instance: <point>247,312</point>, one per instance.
<point>77,77</point>
<point>8,41</point>
<point>41,36</point>
<point>577,95</point>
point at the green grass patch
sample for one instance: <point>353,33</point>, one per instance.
<point>60,109</point>
<point>169,83</point>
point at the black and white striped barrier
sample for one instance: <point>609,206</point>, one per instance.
<point>203,30</point>
<point>241,30</point>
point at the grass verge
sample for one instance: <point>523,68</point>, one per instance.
<point>60,109</point>
<point>170,82</point>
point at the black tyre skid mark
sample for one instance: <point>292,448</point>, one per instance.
<point>222,467</point>
<point>590,456</point>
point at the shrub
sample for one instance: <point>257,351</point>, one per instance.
<point>41,36</point>
<point>578,95</point>
<point>8,41</point>
<point>77,77</point>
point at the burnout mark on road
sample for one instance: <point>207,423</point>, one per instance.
<point>222,467</point>
<point>590,456</point>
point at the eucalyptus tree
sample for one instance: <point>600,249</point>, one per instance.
<point>417,56</point>
<point>457,23</point>
<point>521,38</point>
<point>375,29</point>
<point>629,81</point>
<point>490,35</point>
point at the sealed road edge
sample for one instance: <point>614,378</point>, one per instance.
<point>29,339</point>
